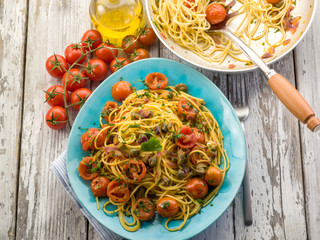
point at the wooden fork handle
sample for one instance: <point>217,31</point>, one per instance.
<point>293,100</point>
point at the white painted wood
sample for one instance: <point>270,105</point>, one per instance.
<point>307,58</point>
<point>44,209</point>
<point>12,44</point>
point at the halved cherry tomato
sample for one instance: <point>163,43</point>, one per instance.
<point>144,209</point>
<point>56,118</point>
<point>200,136</point>
<point>88,168</point>
<point>167,207</point>
<point>76,79</point>
<point>130,43</point>
<point>91,39</point>
<point>186,109</point>
<point>139,54</point>
<point>148,37</point>
<point>134,171</point>
<point>56,66</point>
<point>105,53</point>
<point>156,81</point>
<point>118,191</point>
<point>118,63</point>
<point>89,138</point>
<point>54,96</point>
<point>213,176</point>
<point>107,109</point>
<point>273,1</point>
<point>189,3</point>
<point>121,90</point>
<point>74,52</point>
<point>187,138</point>
<point>197,188</point>
<point>96,70</point>
<point>79,96</point>
<point>99,186</point>
<point>216,13</point>
<point>195,157</point>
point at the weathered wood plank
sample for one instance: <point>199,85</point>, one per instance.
<point>44,209</point>
<point>307,57</point>
<point>12,52</point>
<point>274,162</point>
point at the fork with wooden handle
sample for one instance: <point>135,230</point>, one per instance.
<point>287,93</point>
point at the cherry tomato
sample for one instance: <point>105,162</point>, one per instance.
<point>91,39</point>
<point>118,191</point>
<point>189,3</point>
<point>156,81</point>
<point>134,171</point>
<point>118,63</point>
<point>96,70</point>
<point>197,188</point>
<point>186,109</point>
<point>88,168</point>
<point>139,54</point>
<point>107,109</point>
<point>74,52</point>
<point>99,186</point>
<point>195,157</point>
<point>91,138</point>
<point>56,118</point>
<point>79,97</point>
<point>106,54</point>
<point>213,176</point>
<point>200,135</point>
<point>76,79</point>
<point>130,43</point>
<point>216,13</point>
<point>148,37</point>
<point>54,95</point>
<point>144,209</point>
<point>167,207</point>
<point>121,90</point>
<point>187,138</point>
<point>273,1</point>
<point>56,66</point>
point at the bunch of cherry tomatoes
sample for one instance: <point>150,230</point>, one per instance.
<point>77,66</point>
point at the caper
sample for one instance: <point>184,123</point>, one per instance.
<point>200,169</point>
<point>166,181</point>
<point>152,161</point>
<point>180,174</point>
<point>135,152</point>
<point>164,128</point>
<point>140,192</point>
<point>181,87</point>
<point>181,157</point>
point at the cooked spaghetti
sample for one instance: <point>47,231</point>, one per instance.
<point>158,151</point>
<point>186,22</point>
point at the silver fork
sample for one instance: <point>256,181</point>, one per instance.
<point>239,100</point>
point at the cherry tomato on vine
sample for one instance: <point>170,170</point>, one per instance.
<point>118,63</point>
<point>187,137</point>
<point>76,79</point>
<point>139,54</point>
<point>129,43</point>
<point>144,209</point>
<point>216,13</point>
<point>185,109</point>
<point>91,39</point>
<point>105,54</point>
<point>148,37</point>
<point>156,81</point>
<point>167,207</point>
<point>56,118</point>
<point>79,96</point>
<point>56,66</point>
<point>54,95</point>
<point>118,191</point>
<point>121,90</point>
<point>197,188</point>
<point>213,176</point>
<point>88,168</point>
<point>96,70</point>
<point>74,52</point>
<point>99,186</point>
<point>92,138</point>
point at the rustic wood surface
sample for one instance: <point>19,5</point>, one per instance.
<point>282,153</point>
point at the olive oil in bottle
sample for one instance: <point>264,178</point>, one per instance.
<point>115,19</point>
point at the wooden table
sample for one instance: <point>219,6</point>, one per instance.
<point>282,153</point>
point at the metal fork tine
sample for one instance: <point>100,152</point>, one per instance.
<point>244,91</point>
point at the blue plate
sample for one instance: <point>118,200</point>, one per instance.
<point>199,86</point>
